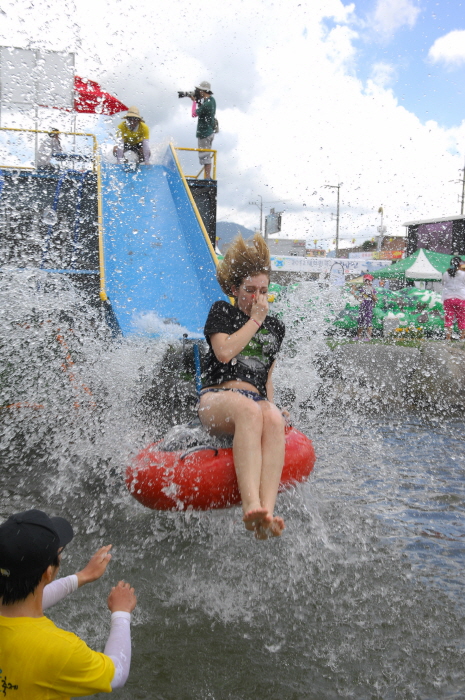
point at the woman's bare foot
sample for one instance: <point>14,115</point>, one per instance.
<point>261,532</point>
<point>256,518</point>
<point>276,526</point>
<point>274,529</point>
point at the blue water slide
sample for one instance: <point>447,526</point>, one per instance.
<point>160,269</point>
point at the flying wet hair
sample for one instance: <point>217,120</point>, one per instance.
<point>455,263</point>
<point>243,260</point>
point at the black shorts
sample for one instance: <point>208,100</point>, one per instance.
<point>136,148</point>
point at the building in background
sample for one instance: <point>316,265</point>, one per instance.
<point>392,248</point>
<point>441,235</point>
<point>287,246</point>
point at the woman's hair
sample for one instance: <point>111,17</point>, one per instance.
<point>455,263</point>
<point>242,260</point>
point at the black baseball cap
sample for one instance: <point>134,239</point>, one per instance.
<point>29,542</point>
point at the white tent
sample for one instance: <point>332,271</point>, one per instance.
<point>422,269</point>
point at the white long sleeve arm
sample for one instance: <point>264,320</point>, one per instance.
<point>59,589</point>
<point>118,647</point>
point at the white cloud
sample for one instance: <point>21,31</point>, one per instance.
<point>449,48</point>
<point>391,15</point>
<point>383,74</point>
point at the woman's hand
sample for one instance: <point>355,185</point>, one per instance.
<point>259,308</point>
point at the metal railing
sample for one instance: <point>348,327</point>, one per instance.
<point>200,150</point>
<point>47,131</point>
<point>192,201</point>
<point>97,170</point>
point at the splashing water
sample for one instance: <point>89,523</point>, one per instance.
<point>361,597</point>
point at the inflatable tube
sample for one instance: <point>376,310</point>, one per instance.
<point>202,476</point>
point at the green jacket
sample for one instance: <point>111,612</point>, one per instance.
<point>206,114</point>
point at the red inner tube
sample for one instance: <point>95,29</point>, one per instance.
<point>204,478</point>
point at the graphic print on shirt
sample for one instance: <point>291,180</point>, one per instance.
<point>5,685</point>
<point>256,353</point>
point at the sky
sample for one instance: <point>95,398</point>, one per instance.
<point>310,95</point>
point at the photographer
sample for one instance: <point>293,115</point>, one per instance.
<point>206,123</point>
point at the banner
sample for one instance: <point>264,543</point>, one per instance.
<point>388,255</point>
<point>297,263</point>
<point>377,255</point>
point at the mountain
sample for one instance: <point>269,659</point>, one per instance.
<point>227,231</point>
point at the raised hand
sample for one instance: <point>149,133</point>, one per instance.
<point>122,598</point>
<point>96,567</point>
<point>259,308</point>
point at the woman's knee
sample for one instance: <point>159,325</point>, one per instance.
<point>273,418</point>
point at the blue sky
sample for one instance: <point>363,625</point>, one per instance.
<point>431,89</point>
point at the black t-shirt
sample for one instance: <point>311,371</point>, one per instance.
<point>253,363</point>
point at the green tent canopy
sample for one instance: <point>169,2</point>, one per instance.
<point>422,265</point>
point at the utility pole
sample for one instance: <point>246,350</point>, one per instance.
<point>260,206</point>
<point>462,180</point>
<point>336,187</point>
<point>463,189</point>
<point>381,230</point>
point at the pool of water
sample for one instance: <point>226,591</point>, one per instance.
<point>362,597</point>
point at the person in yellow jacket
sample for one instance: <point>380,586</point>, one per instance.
<point>132,135</point>
<point>38,660</point>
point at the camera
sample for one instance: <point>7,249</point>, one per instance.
<point>195,94</point>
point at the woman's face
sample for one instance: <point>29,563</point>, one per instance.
<point>249,290</point>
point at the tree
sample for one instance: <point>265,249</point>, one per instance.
<point>368,245</point>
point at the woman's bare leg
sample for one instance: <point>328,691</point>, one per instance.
<point>273,448</point>
<point>237,415</point>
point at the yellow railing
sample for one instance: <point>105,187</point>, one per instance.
<point>97,171</point>
<point>200,150</point>
<point>192,201</point>
<point>47,131</point>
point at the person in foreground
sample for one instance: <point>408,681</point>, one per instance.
<point>453,296</point>
<point>237,394</point>
<point>37,658</point>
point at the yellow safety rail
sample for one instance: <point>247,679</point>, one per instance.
<point>200,150</point>
<point>97,170</point>
<point>191,198</point>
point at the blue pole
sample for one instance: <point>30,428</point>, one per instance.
<point>198,369</point>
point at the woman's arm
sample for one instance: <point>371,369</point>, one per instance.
<point>227,346</point>
<point>270,395</point>
<point>269,384</point>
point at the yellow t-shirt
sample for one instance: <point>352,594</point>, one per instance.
<point>40,661</point>
<point>133,137</point>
